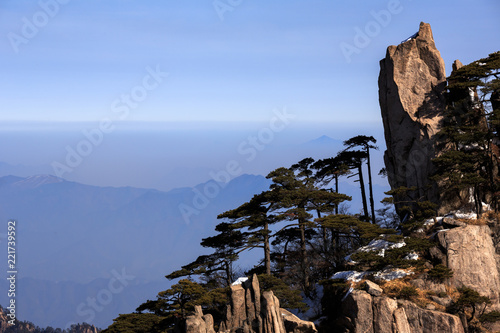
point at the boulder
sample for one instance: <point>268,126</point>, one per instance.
<point>429,321</point>
<point>470,253</point>
<point>363,313</point>
<point>444,301</point>
<point>412,81</point>
<point>294,324</point>
<point>372,288</point>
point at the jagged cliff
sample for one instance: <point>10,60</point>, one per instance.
<point>412,86</point>
<point>467,249</point>
<point>412,81</point>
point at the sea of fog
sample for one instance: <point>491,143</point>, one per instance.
<point>170,155</point>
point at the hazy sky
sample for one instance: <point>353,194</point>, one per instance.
<point>227,60</point>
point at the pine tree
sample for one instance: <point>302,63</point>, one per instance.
<point>366,143</point>
<point>328,170</point>
<point>296,197</point>
<point>256,217</point>
<point>354,160</point>
<point>228,243</point>
<point>173,305</point>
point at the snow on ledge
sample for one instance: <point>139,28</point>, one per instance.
<point>353,276</point>
<point>411,256</point>
<point>386,275</point>
<point>240,280</point>
<point>391,274</point>
<point>378,246</point>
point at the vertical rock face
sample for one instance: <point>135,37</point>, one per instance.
<point>272,320</point>
<point>411,84</point>
<point>358,307</point>
<point>384,308</point>
<point>381,314</point>
<point>470,253</point>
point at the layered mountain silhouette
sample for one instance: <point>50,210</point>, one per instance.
<point>72,240</point>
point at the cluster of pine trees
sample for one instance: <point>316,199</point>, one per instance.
<point>299,225</point>
<point>467,171</point>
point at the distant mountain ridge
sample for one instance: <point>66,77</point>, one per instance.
<point>73,239</point>
<point>71,218</point>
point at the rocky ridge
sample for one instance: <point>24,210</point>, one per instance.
<point>466,247</point>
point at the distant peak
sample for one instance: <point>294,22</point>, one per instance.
<point>324,139</point>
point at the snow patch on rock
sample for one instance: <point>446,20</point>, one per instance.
<point>353,276</point>
<point>240,280</point>
<point>391,274</point>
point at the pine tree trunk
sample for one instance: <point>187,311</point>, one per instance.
<point>372,206</point>
<point>303,253</point>
<point>479,204</point>
<point>363,194</point>
<point>267,249</point>
<point>323,230</point>
<point>337,191</point>
<point>228,274</point>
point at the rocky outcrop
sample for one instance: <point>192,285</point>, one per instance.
<point>470,253</point>
<point>427,321</point>
<point>359,308</point>
<point>199,323</point>
<point>468,249</point>
<point>272,320</point>
<point>411,84</point>
<point>385,315</point>
<point>295,324</point>
<point>372,288</point>
<point>250,311</point>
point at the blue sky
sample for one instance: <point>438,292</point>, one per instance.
<point>237,64</point>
